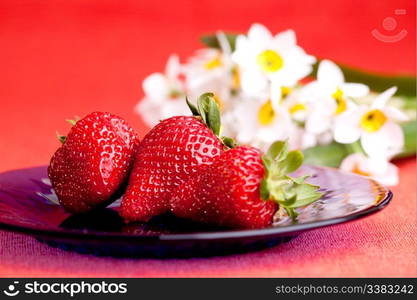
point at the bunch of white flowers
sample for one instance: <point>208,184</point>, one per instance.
<point>257,87</point>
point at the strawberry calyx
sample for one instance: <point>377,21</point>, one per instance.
<point>289,192</point>
<point>228,142</point>
<point>73,121</point>
<point>207,110</point>
<point>63,138</point>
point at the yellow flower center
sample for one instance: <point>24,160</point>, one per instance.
<point>173,94</point>
<point>285,91</point>
<point>296,108</point>
<point>340,101</point>
<point>235,78</point>
<point>266,114</point>
<point>214,63</point>
<point>373,120</point>
<point>219,102</point>
<point>338,94</point>
<point>341,106</point>
<point>270,61</point>
<point>357,170</point>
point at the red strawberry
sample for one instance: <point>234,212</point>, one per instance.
<point>243,189</point>
<point>227,193</point>
<point>93,163</point>
<point>168,156</point>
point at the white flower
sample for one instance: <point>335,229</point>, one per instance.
<point>212,70</point>
<point>298,103</point>
<point>374,125</point>
<point>301,109</point>
<point>379,169</point>
<point>263,58</point>
<point>330,95</point>
<point>331,83</point>
<point>162,86</point>
<point>164,94</point>
<point>258,123</point>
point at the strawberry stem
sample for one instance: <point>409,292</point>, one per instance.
<point>208,111</point>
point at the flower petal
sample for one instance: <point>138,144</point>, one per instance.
<point>259,35</point>
<point>275,94</point>
<point>308,140</point>
<point>381,100</point>
<point>173,67</point>
<point>330,74</point>
<point>386,142</point>
<point>318,122</point>
<point>156,86</point>
<point>355,89</point>
<point>242,54</point>
<point>286,37</point>
<point>224,43</point>
<point>346,129</point>
<point>379,169</point>
<point>395,114</point>
<point>352,161</point>
<point>390,177</point>
<point>253,83</point>
<point>174,107</point>
<point>149,111</point>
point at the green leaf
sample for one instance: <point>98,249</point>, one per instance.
<point>61,138</point>
<point>299,180</point>
<point>292,162</point>
<point>410,134</point>
<point>287,191</point>
<point>306,194</point>
<point>278,150</point>
<point>202,104</point>
<point>212,41</point>
<point>213,117</point>
<point>267,162</point>
<point>209,112</point>
<point>330,155</point>
<point>264,190</point>
<point>280,193</point>
<point>192,107</point>
<point>291,213</point>
<point>228,142</point>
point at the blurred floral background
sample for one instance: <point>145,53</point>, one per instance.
<point>266,89</point>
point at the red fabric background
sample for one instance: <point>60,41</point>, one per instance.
<point>64,58</point>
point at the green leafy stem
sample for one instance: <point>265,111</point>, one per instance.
<point>289,192</point>
<point>209,113</point>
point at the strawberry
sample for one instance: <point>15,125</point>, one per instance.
<point>243,189</point>
<point>93,163</point>
<point>168,156</point>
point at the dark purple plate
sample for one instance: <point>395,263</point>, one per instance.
<point>29,205</point>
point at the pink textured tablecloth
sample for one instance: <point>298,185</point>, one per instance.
<point>382,245</point>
